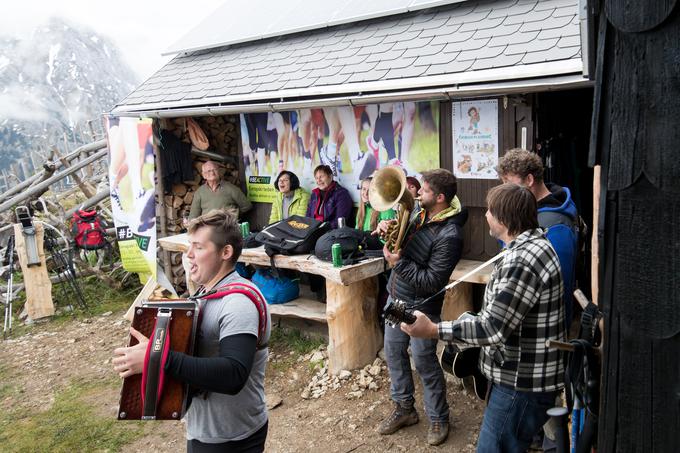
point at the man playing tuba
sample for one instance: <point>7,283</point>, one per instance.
<point>431,247</point>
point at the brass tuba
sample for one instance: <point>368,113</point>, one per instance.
<point>387,190</point>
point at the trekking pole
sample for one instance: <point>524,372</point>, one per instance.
<point>9,257</point>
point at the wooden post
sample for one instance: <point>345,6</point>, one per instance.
<point>351,309</point>
<point>87,190</point>
<point>38,285</point>
<point>24,169</point>
<point>595,240</point>
<point>160,210</point>
<point>457,301</point>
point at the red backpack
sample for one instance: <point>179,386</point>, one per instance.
<point>87,231</point>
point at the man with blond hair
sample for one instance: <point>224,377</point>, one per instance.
<point>228,412</point>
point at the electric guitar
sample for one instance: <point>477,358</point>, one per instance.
<point>455,358</point>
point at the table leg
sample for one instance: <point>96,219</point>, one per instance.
<point>354,336</point>
<point>457,301</point>
<point>191,286</point>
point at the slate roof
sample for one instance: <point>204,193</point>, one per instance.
<point>458,43</point>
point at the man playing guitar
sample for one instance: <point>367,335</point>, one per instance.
<point>522,309</point>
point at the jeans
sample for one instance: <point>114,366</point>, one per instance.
<point>424,354</point>
<point>512,418</point>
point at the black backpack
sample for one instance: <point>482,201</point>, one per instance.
<point>295,235</point>
<point>352,244</point>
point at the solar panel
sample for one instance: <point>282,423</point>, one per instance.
<point>239,21</point>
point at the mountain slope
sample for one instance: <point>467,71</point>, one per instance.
<point>52,83</point>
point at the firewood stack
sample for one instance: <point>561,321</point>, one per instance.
<point>223,136</point>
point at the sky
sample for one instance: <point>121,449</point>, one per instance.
<point>141,29</point>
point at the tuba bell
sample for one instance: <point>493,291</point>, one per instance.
<point>387,190</point>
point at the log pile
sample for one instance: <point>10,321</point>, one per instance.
<point>223,136</point>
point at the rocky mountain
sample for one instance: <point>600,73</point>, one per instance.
<point>53,83</point>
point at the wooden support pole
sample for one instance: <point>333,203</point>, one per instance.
<point>43,186</point>
<point>595,242</point>
<point>85,188</point>
<point>160,208</point>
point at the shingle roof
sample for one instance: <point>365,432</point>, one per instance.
<point>427,47</point>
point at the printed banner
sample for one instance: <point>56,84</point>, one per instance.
<point>475,139</point>
<point>131,179</point>
<point>353,141</point>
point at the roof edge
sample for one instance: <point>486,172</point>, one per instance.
<point>450,92</point>
<point>553,68</point>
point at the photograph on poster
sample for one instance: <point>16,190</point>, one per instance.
<point>131,179</point>
<point>352,141</point>
<point>475,139</point>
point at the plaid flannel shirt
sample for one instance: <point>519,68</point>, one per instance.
<point>522,309</point>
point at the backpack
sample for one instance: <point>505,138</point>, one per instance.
<point>276,290</point>
<point>352,245</point>
<point>292,236</point>
<point>87,231</point>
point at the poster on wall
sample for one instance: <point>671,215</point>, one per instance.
<point>352,141</point>
<point>475,139</point>
<point>131,181</point>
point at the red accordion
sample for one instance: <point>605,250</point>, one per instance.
<point>169,325</point>
<point>172,324</point>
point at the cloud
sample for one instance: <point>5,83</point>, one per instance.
<point>16,104</point>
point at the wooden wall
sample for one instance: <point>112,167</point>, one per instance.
<point>513,114</point>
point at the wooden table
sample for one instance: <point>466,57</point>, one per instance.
<point>350,309</point>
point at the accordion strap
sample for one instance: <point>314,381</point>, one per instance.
<point>153,372</point>
<point>254,296</point>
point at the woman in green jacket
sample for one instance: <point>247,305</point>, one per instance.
<point>291,199</point>
<point>367,217</point>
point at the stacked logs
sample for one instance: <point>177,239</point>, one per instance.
<point>222,134</point>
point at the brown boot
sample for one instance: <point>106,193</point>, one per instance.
<point>437,433</point>
<point>399,418</point>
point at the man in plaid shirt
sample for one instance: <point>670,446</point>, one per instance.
<point>522,309</point>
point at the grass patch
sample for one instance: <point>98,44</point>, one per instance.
<point>294,340</point>
<point>286,341</point>
<point>100,298</point>
<point>69,425</point>
<point>6,388</point>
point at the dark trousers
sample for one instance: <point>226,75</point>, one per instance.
<point>252,444</point>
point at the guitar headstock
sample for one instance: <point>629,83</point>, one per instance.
<point>396,311</point>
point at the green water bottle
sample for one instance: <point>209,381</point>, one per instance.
<point>336,251</point>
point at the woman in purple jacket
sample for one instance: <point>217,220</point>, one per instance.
<point>329,201</point>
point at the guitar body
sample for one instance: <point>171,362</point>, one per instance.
<point>465,364</point>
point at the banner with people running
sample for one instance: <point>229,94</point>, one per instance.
<point>352,141</point>
<point>131,181</point>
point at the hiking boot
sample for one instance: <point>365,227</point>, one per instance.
<point>399,418</point>
<point>437,433</point>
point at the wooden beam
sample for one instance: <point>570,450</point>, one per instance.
<point>43,186</point>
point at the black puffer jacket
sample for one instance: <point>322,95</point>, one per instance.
<point>427,261</point>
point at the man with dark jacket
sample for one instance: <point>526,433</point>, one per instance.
<point>556,213</point>
<point>431,249</point>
